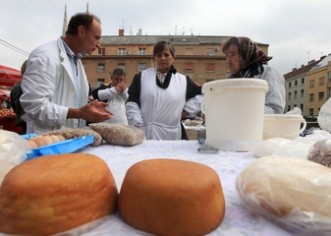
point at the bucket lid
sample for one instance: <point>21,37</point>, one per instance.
<point>283,117</point>
<point>235,83</point>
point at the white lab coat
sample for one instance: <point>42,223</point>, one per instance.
<point>275,98</point>
<point>49,91</point>
<point>116,104</point>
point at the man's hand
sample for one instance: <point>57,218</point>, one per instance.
<point>94,111</point>
<point>120,88</point>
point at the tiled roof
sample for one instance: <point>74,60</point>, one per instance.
<point>152,39</point>
<point>323,62</point>
<point>303,69</point>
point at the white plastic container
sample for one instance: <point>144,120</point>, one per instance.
<point>234,113</point>
<point>283,126</point>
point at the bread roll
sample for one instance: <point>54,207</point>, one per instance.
<point>294,193</point>
<point>69,133</point>
<point>43,140</point>
<point>52,194</point>
<point>172,197</point>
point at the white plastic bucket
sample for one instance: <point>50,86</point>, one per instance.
<point>283,126</point>
<point>234,113</point>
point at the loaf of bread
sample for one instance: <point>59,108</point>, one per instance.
<point>172,197</point>
<point>292,192</point>
<point>119,134</point>
<point>55,193</point>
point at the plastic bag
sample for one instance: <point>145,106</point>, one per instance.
<point>298,147</point>
<point>293,193</point>
<point>12,148</point>
<point>295,111</point>
<point>320,152</point>
<point>324,116</point>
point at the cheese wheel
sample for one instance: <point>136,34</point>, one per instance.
<point>292,192</point>
<point>172,197</point>
<point>52,194</point>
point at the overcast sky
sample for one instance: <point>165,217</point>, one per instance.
<point>297,31</point>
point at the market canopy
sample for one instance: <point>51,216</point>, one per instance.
<point>9,76</point>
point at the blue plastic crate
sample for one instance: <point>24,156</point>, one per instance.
<point>66,146</point>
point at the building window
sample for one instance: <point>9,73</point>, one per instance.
<point>121,66</point>
<point>321,81</point>
<point>289,84</point>
<point>121,51</point>
<point>141,66</point>
<point>142,51</point>
<point>311,111</point>
<point>302,93</point>
<point>301,107</point>
<point>302,80</point>
<point>289,96</point>
<point>321,96</point>
<point>295,83</point>
<point>312,83</point>
<point>295,94</point>
<point>311,97</point>
<point>210,67</point>
<point>100,81</point>
<point>101,51</point>
<point>101,67</point>
<point>288,108</point>
<point>188,68</point>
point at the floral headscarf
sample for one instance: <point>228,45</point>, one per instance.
<point>251,56</point>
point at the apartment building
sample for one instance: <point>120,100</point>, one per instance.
<point>199,57</point>
<point>296,86</point>
<point>318,86</point>
<point>308,87</point>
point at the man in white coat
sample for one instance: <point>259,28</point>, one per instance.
<point>55,86</point>
<point>116,97</point>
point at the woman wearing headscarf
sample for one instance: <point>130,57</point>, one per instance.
<point>246,60</point>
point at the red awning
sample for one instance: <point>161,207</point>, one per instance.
<point>9,76</point>
<point>5,92</point>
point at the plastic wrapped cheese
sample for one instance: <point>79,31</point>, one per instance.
<point>12,150</point>
<point>293,193</point>
<point>320,152</point>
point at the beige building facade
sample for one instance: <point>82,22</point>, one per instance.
<point>309,86</point>
<point>318,86</point>
<point>199,57</point>
<point>295,86</point>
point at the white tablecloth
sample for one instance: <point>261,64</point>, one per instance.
<point>237,221</point>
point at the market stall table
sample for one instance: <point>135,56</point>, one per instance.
<point>237,221</point>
